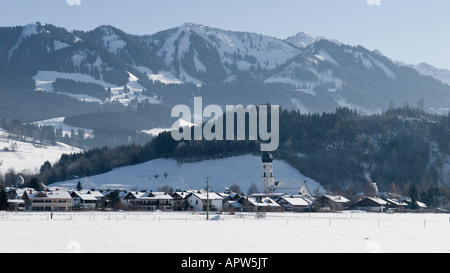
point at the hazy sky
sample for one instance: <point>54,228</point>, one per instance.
<point>412,31</point>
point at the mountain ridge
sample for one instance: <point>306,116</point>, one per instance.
<point>303,72</point>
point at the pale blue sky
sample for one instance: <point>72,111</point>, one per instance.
<point>412,31</point>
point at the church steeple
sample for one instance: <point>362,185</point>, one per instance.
<point>267,157</point>
<point>267,179</point>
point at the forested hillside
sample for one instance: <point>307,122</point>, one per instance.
<point>341,150</point>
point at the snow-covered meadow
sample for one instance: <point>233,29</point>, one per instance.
<point>28,156</point>
<point>190,232</point>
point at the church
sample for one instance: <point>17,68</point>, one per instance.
<point>276,188</point>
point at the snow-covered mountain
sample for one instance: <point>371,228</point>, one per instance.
<point>302,39</point>
<point>438,73</point>
<point>304,72</point>
<point>204,54</point>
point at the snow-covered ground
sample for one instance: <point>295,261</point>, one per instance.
<point>45,79</point>
<point>27,156</point>
<point>66,129</point>
<point>187,232</point>
<point>242,170</point>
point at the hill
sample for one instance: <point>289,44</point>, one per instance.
<point>242,170</point>
<point>27,157</point>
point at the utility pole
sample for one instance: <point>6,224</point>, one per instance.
<point>207,198</point>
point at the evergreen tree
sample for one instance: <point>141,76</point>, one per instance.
<point>3,198</point>
<point>414,196</point>
<point>79,186</point>
<point>34,183</point>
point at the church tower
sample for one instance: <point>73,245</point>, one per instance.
<point>267,179</point>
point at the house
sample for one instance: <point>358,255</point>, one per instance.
<point>197,200</point>
<point>371,204</point>
<point>87,199</point>
<point>232,206</point>
<point>260,202</point>
<point>48,200</point>
<point>155,201</point>
<point>229,196</point>
<point>395,204</point>
<point>130,198</point>
<point>148,200</point>
<point>179,200</point>
<point>14,200</point>
<point>292,188</point>
<point>331,202</point>
<point>295,203</point>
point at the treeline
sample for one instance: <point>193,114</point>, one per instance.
<point>29,132</point>
<point>341,150</point>
<point>76,87</point>
<point>143,116</point>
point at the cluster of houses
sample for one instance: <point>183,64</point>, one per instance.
<point>275,197</point>
<point>59,199</point>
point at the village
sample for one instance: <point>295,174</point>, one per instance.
<point>275,197</point>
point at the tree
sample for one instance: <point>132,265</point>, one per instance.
<point>34,183</point>
<point>46,166</point>
<point>79,186</point>
<point>166,189</point>
<point>235,188</point>
<point>3,198</point>
<point>414,196</point>
<point>10,177</point>
<point>253,188</point>
<point>114,199</point>
<point>393,188</point>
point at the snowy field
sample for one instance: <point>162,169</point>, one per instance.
<point>189,232</point>
<point>28,156</point>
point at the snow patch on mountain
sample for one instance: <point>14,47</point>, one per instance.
<point>342,102</point>
<point>58,123</point>
<point>370,63</point>
<point>45,79</point>
<point>440,74</point>
<point>57,45</point>
<point>162,76</point>
<point>302,39</point>
<point>28,31</point>
<point>111,41</point>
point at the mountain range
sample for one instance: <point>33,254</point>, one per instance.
<point>48,71</point>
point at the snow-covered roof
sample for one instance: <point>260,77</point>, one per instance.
<point>396,202</point>
<point>263,202</point>
<point>377,200</point>
<point>203,195</point>
<point>337,198</point>
<point>57,194</point>
<point>234,204</point>
<point>297,201</point>
<point>89,195</point>
<point>155,195</point>
<point>296,187</point>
